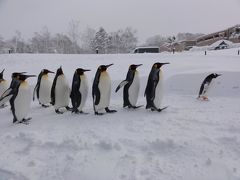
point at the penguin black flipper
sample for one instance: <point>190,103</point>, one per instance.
<point>123,83</point>
<point>53,90</point>
<point>37,87</point>
<point>75,94</point>
<point>34,91</point>
<point>95,89</point>
<point>201,90</point>
<point>150,93</point>
<point>126,101</point>
<point>7,95</point>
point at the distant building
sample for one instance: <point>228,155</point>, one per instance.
<point>147,49</point>
<point>178,46</point>
<point>222,45</point>
<point>232,34</point>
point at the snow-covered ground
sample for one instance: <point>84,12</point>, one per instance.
<point>189,140</point>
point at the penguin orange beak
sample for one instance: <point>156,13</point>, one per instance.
<point>109,65</point>
<point>84,70</point>
<point>139,65</point>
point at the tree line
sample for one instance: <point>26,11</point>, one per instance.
<point>88,41</point>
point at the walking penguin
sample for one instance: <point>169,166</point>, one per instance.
<point>131,87</point>
<point>154,88</point>
<point>43,88</point>
<point>60,92</point>
<point>101,90</point>
<point>79,91</point>
<point>206,85</point>
<point>14,83</point>
<point>21,99</point>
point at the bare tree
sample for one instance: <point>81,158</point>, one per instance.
<point>74,34</point>
<point>87,38</point>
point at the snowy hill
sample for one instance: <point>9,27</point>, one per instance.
<point>189,140</point>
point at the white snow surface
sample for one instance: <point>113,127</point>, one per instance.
<point>190,140</point>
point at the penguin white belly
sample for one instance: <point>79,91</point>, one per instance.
<point>22,101</point>
<point>105,91</point>
<point>3,87</point>
<point>84,91</point>
<point>45,91</point>
<point>133,90</point>
<point>159,92</point>
<point>207,88</point>
<point>62,92</point>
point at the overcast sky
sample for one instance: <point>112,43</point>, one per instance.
<point>148,17</point>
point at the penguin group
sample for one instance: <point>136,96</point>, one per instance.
<point>59,93</point>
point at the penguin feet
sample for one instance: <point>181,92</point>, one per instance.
<point>203,98</point>
<point>97,113</point>
<point>135,107</point>
<point>45,106</point>
<point>68,108</point>
<point>58,112</point>
<point>76,111</point>
<point>23,121</point>
<point>81,112</point>
<point>109,111</point>
<point>158,110</point>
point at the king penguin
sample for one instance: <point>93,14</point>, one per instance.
<point>101,90</point>
<point>43,88</point>
<point>131,87</point>
<point>14,84</point>
<point>60,91</point>
<point>154,88</point>
<point>21,99</point>
<point>3,86</point>
<point>205,86</point>
<point>79,91</point>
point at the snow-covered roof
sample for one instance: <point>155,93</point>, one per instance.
<point>217,43</point>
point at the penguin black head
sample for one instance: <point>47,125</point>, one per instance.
<point>81,71</point>
<point>16,75</point>
<point>215,75</point>
<point>158,65</point>
<point>134,66</point>
<point>23,77</point>
<point>46,71</point>
<point>1,74</point>
<point>59,71</point>
<point>103,68</point>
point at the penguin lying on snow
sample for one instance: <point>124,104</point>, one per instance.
<point>3,86</point>
<point>43,88</point>
<point>21,99</point>
<point>154,88</point>
<point>60,92</point>
<point>101,90</point>
<point>131,87</point>
<point>206,84</point>
<point>79,91</point>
